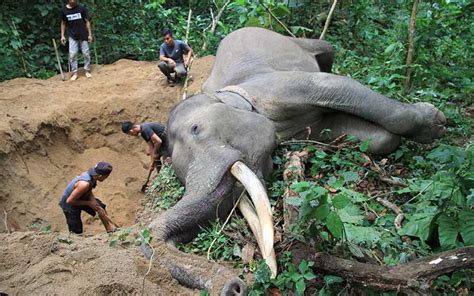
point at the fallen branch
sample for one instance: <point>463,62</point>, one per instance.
<point>328,20</point>
<point>6,221</point>
<point>294,171</point>
<point>412,277</point>
<point>399,218</point>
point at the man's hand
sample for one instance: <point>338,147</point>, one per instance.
<point>63,40</point>
<point>172,63</point>
<point>89,38</point>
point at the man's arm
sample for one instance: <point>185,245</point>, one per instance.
<point>166,59</point>
<point>89,30</point>
<point>63,29</point>
<point>155,144</point>
<point>80,188</point>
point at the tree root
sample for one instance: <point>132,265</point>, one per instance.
<point>412,277</point>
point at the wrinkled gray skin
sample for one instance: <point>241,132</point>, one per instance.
<point>279,87</point>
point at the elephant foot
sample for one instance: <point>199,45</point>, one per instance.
<point>430,124</point>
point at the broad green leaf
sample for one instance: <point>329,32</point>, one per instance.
<point>447,231</point>
<point>360,234</point>
<point>334,224</point>
<point>322,211</point>
<point>332,279</point>
<point>300,186</point>
<point>294,201</point>
<point>340,201</point>
<point>303,267</point>
<point>466,227</point>
<point>300,287</point>
<point>354,195</point>
<point>418,225</point>
<point>350,177</point>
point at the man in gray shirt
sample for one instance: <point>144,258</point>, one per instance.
<point>171,57</point>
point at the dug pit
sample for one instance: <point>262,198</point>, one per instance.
<point>52,130</point>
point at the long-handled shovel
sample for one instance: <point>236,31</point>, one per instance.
<point>59,61</point>
<point>145,186</point>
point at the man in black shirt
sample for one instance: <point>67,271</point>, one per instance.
<point>154,133</point>
<point>75,18</point>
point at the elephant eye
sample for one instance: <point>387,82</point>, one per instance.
<point>195,129</point>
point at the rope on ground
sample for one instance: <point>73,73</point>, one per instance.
<point>149,268</point>
<point>223,225</point>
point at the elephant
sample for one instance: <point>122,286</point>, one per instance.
<point>264,88</point>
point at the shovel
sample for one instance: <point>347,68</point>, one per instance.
<point>63,77</point>
<point>145,186</point>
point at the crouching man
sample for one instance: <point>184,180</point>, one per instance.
<point>78,197</point>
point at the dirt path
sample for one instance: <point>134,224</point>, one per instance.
<point>52,131</point>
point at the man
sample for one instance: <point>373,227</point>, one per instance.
<point>154,133</point>
<point>78,197</point>
<point>171,57</point>
<point>79,31</point>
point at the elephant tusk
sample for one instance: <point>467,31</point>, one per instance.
<point>260,199</point>
<point>249,214</point>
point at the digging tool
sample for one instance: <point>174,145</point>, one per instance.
<point>186,81</point>
<point>59,61</point>
<point>145,186</point>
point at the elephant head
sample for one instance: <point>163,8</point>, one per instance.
<point>213,145</point>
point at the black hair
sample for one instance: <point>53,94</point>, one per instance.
<point>127,126</point>
<point>166,31</point>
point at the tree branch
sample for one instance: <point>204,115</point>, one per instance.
<point>328,20</point>
<point>414,276</point>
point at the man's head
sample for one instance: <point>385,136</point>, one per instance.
<point>130,128</point>
<point>72,3</point>
<point>168,36</point>
<point>100,171</point>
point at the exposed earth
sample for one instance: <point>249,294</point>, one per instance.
<point>51,131</point>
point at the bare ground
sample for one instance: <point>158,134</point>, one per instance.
<point>52,131</point>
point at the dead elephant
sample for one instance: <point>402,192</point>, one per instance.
<point>265,88</point>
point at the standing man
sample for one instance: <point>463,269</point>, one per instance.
<point>171,57</point>
<point>78,197</point>
<point>79,31</point>
<point>154,133</point>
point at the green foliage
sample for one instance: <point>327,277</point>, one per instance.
<point>120,237</point>
<point>165,190</point>
<point>224,246</point>
<point>291,279</point>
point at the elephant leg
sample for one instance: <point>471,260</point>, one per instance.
<point>322,51</point>
<point>338,123</point>
<point>421,122</point>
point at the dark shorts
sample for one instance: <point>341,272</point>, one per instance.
<point>73,216</point>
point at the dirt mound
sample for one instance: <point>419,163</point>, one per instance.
<point>52,264</point>
<point>53,130</point>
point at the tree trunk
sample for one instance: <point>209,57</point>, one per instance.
<point>415,276</point>
<point>406,87</point>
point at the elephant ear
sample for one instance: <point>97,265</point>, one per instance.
<point>236,97</point>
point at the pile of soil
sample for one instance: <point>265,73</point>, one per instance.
<point>52,264</point>
<point>52,131</point>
